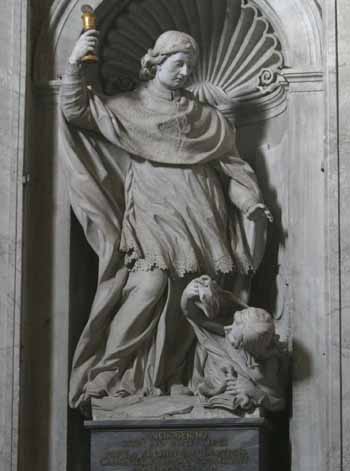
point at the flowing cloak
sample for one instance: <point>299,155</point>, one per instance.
<point>149,178</point>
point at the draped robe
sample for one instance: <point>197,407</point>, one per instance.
<point>156,181</point>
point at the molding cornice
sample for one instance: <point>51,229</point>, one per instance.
<point>304,81</point>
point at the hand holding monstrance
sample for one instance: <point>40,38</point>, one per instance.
<point>85,49</point>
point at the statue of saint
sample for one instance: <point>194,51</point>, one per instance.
<point>157,183</point>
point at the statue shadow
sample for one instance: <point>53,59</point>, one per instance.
<point>270,283</point>
<point>83,282</point>
<point>301,368</point>
<point>269,287</point>
<point>302,363</point>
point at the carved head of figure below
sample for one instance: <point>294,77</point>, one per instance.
<point>171,61</point>
<point>253,330</point>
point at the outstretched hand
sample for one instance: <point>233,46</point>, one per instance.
<point>87,43</point>
<point>190,295</point>
<point>259,211</point>
<point>192,290</point>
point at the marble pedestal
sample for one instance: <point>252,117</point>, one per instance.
<point>173,445</point>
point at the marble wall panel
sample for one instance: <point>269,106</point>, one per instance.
<point>333,295</point>
<point>343,40</point>
<point>45,330</point>
<point>13,78</point>
<point>307,275</point>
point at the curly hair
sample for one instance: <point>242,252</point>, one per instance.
<point>258,330</point>
<point>149,64</point>
<point>168,43</point>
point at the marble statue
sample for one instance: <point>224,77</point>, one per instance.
<point>240,363</point>
<point>157,183</point>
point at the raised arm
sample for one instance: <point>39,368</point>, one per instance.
<point>74,95</point>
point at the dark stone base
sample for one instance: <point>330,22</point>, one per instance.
<point>175,445</point>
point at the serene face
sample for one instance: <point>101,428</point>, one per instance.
<point>175,70</point>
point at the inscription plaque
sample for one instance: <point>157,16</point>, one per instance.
<point>149,446</point>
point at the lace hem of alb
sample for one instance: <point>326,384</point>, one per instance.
<point>179,267</point>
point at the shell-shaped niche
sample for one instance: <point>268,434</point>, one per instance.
<point>239,51</point>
